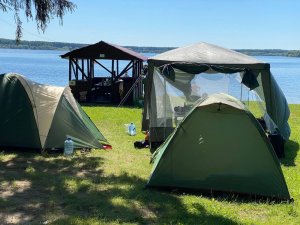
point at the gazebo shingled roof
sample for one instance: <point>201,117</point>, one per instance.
<point>104,50</point>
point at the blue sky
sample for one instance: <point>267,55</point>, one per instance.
<point>233,24</point>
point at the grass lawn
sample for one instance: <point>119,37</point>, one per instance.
<point>107,187</point>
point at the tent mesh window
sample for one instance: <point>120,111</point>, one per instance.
<point>173,96</point>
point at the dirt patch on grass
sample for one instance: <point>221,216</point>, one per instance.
<point>14,218</point>
<point>8,189</point>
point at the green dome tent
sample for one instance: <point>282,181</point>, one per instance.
<point>219,146</point>
<point>38,116</point>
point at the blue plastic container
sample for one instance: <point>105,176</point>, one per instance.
<point>131,129</point>
<point>68,147</point>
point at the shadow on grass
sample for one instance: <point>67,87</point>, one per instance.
<point>224,196</point>
<point>76,191</point>
<point>291,151</point>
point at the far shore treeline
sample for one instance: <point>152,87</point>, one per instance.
<point>43,45</point>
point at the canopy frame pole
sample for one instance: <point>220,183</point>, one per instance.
<point>241,97</point>
<point>165,110</point>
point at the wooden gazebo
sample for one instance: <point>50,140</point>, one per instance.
<point>88,85</point>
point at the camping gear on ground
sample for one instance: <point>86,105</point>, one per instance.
<point>143,143</point>
<point>127,128</point>
<point>131,129</point>
<point>278,144</point>
<point>38,116</point>
<point>107,147</point>
<point>219,146</point>
<point>180,77</point>
<point>68,147</point>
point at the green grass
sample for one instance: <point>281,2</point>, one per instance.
<point>107,187</point>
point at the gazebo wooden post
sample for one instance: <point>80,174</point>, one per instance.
<point>112,67</point>
<point>70,69</point>
<point>92,68</point>
<point>93,63</point>
<point>112,80</point>
<point>88,69</point>
<point>117,67</point>
<point>76,74</point>
<point>82,67</point>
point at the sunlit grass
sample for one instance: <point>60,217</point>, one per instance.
<point>107,187</point>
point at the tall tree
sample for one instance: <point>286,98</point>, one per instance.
<point>42,11</point>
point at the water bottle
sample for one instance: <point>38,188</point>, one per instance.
<point>68,147</point>
<point>132,130</point>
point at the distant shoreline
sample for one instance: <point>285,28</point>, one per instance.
<point>62,46</point>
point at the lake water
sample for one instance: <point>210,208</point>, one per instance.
<point>47,67</point>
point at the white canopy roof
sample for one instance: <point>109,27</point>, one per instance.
<point>207,54</point>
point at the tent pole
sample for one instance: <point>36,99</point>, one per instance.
<point>241,97</point>
<point>165,100</point>
<point>248,97</point>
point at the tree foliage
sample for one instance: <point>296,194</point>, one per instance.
<point>42,11</point>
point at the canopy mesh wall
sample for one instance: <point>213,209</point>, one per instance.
<point>172,99</point>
